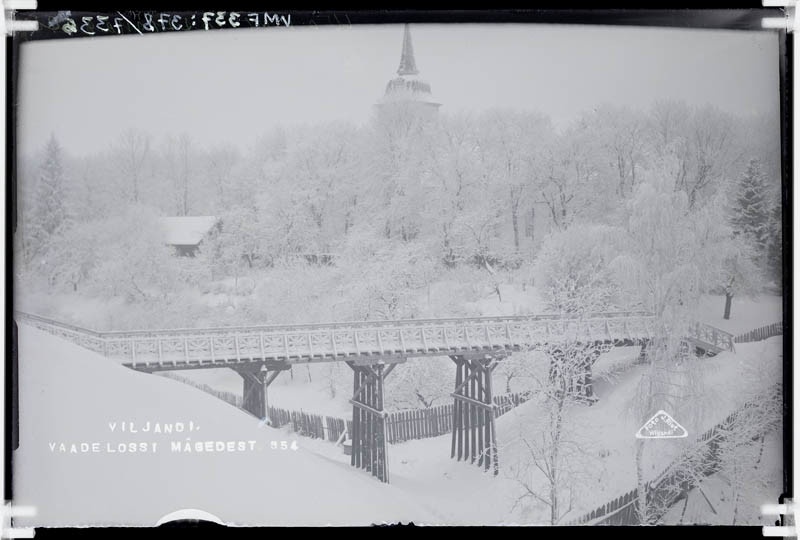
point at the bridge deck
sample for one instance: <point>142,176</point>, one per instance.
<point>220,347</point>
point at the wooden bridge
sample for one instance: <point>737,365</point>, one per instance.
<point>373,350</point>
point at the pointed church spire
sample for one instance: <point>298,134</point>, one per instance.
<point>407,64</point>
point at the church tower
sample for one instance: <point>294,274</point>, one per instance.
<point>407,93</point>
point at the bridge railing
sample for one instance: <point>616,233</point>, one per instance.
<point>712,336</point>
<point>88,339</point>
<point>385,340</point>
<point>318,342</point>
<point>225,330</point>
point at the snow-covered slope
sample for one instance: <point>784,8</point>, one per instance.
<point>70,395</point>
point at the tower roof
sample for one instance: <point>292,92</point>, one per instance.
<point>407,87</point>
<point>407,64</point>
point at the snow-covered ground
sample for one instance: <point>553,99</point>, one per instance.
<point>70,395</point>
<point>606,435</point>
<point>715,502</point>
<point>746,313</point>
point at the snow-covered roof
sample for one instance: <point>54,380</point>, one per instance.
<point>187,230</point>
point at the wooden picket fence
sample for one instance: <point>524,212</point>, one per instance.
<point>229,397</point>
<point>506,402</point>
<point>760,334</point>
<point>302,423</point>
<point>673,482</point>
<point>401,426</point>
<point>619,511</point>
<point>419,423</point>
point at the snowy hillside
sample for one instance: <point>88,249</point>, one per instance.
<point>605,432</point>
<point>70,395</point>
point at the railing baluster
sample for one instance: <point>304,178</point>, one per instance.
<point>261,345</point>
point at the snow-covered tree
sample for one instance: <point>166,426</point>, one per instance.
<point>740,275</point>
<point>775,245</point>
<point>133,260</point>
<point>221,163</point>
<point>571,176</point>
<point>573,272</point>
<point>131,153</point>
<point>622,139</point>
<point>750,214</point>
<point>700,141</point>
<point>511,145</point>
<point>420,384</point>
<point>49,212</point>
<point>672,256</point>
<point>547,457</point>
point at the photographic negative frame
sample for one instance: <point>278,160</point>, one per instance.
<point>92,280</point>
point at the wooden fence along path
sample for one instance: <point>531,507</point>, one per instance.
<point>675,481</point>
<point>759,334</point>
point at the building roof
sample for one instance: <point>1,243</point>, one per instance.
<point>187,230</point>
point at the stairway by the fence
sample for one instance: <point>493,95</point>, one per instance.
<point>672,484</point>
<point>760,334</point>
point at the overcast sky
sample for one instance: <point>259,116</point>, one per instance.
<point>231,86</point>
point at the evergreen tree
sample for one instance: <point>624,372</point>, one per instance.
<point>49,212</point>
<point>775,245</point>
<point>751,211</point>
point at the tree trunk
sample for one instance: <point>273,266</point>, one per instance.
<point>728,301</point>
<point>640,483</point>
<point>515,224</point>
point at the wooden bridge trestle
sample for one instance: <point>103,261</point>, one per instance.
<point>369,418</point>
<point>474,437</point>
<point>373,349</point>
<point>256,379</point>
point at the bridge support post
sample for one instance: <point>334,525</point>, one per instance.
<point>474,437</point>
<point>256,379</point>
<point>369,419</point>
